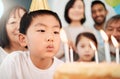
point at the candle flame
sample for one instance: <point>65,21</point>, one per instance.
<point>104,35</point>
<point>63,36</point>
<point>114,41</point>
<point>92,45</point>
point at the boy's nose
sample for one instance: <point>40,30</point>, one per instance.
<point>50,39</point>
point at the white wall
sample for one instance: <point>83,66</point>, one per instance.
<point>59,6</point>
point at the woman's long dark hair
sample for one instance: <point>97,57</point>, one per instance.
<point>67,7</point>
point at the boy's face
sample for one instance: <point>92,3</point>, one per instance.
<point>98,14</point>
<point>84,50</point>
<point>43,36</point>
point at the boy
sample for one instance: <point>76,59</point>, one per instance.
<point>40,34</point>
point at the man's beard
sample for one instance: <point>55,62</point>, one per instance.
<point>100,23</point>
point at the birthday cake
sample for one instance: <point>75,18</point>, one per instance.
<point>82,70</point>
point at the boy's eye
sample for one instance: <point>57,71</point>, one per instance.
<point>41,30</point>
<point>56,32</point>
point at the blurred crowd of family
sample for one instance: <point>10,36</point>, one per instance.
<point>30,43</point>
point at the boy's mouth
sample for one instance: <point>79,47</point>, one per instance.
<point>50,48</point>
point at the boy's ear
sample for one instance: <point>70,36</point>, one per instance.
<point>22,40</point>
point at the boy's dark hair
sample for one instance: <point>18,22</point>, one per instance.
<point>98,2</point>
<point>115,18</point>
<point>88,35</point>
<point>28,18</point>
<point>67,7</point>
<point>4,39</point>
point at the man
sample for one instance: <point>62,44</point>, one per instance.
<point>112,28</point>
<point>99,13</point>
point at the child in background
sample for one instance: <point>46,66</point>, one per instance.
<point>40,32</point>
<point>84,51</point>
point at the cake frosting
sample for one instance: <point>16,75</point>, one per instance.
<point>82,70</point>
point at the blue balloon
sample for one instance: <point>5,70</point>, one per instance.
<point>117,9</point>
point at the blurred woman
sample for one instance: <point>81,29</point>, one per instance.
<point>9,30</point>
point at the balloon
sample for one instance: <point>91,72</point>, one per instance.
<point>113,3</point>
<point>117,9</point>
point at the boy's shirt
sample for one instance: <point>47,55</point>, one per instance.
<point>18,65</point>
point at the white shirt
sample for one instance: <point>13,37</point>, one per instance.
<point>3,54</point>
<point>18,65</point>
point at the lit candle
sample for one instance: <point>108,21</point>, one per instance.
<point>71,54</point>
<point>107,49</point>
<point>116,44</point>
<point>66,47</point>
<point>96,54</point>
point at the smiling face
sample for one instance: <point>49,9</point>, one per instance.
<point>113,28</point>
<point>76,12</point>
<point>42,37</point>
<point>99,14</point>
<point>12,26</point>
<point>84,50</point>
